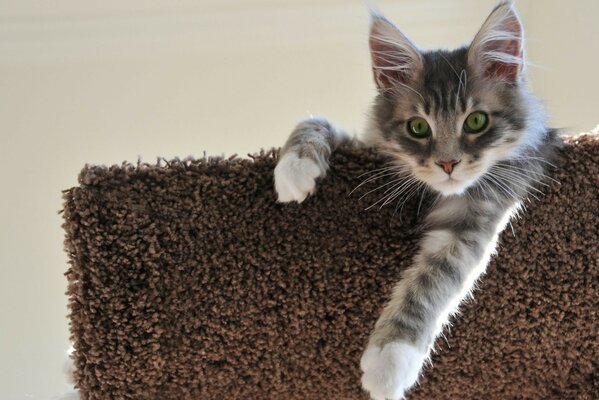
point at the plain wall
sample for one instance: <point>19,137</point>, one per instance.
<point>102,82</point>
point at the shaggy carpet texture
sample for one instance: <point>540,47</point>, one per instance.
<point>187,280</point>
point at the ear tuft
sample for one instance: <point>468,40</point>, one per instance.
<point>395,60</point>
<point>497,50</point>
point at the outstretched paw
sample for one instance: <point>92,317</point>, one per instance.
<point>391,370</point>
<point>295,177</point>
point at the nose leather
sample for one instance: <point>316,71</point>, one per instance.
<point>448,165</point>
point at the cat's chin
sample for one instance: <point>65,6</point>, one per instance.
<point>451,187</point>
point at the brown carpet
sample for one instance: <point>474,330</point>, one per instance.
<point>188,281</point>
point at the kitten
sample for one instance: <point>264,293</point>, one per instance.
<point>462,123</point>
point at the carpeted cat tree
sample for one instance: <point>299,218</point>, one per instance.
<point>188,280</point>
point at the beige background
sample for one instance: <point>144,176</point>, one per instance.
<point>106,81</point>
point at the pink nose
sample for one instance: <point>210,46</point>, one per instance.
<point>448,165</point>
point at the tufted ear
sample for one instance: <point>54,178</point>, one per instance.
<point>498,48</point>
<point>395,60</point>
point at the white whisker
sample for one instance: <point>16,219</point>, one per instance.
<point>397,190</point>
<point>393,182</point>
<point>514,178</point>
<point>406,187</point>
<point>395,170</point>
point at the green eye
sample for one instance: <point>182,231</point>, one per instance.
<point>476,122</point>
<point>419,128</point>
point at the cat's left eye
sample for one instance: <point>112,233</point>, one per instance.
<point>476,122</point>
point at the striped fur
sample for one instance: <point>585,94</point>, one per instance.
<point>496,170</point>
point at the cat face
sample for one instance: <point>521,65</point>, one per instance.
<point>448,116</point>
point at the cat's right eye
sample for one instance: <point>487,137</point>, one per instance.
<point>419,128</point>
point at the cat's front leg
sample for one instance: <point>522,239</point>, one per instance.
<point>456,249</point>
<point>399,345</point>
<point>305,157</point>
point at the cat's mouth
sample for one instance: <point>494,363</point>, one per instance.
<point>455,183</point>
<point>452,186</point>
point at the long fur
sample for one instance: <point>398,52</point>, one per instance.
<point>494,171</point>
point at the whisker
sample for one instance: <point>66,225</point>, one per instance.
<point>421,199</point>
<point>384,197</point>
<point>527,158</point>
<point>397,190</point>
<point>379,170</point>
<point>399,171</point>
<point>373,179</point>
<point>524,170</point>
<point>519,184</point>
<point>505,189</point>
<point>395,182</point>
<point>517,178</point>
<point>524,179</point>
<point>486,181</point>
<point>407,185</point>
<point>406,197</point>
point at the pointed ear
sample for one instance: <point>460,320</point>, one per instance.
<point>394,58</point>
<point>498,48</point>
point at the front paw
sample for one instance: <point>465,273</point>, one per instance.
<point>295,177</point>
<point>391,370</point>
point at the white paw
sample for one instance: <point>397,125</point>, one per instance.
<point>295,178</point>
<point>389,371</point>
